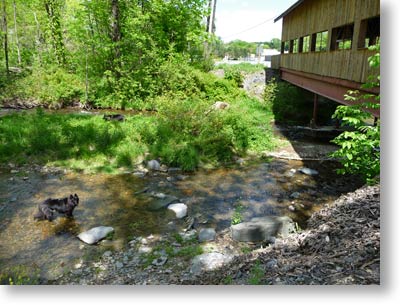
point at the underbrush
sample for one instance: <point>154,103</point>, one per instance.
<point>52,86</point>
<point>183,133</point>
<point>184,130</point>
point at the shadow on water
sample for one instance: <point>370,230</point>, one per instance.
<point>212,197</point>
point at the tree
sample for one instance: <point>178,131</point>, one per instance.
<point>5,36</point>
<point>53,9</point>
<point>16,33</point>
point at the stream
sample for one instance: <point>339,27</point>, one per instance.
<point>273,187</point>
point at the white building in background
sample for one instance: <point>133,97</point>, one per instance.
<point>267,53</point>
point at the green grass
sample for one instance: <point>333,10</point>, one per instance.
<point>19,275</point>
<point>80,142</point>
<point>256,274</point>
<point>244,67</point>
<point>183,132</point>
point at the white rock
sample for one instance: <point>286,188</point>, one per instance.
<point>144,249</point>
<point>154,165</point>
<point>220,105</point>
<point>209,261</point>
<point>180,209</point>
<point>93,235</point>
<point>308,171</point>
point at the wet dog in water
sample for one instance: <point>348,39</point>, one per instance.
<point>64,206</point>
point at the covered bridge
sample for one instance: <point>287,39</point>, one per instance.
<point>325,46</point>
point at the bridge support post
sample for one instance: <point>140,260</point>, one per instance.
<point>315,112</point>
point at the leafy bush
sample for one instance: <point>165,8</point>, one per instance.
<point>359,150</point>
<point>51,85</point>
<point>234,75</point>
<point>189,130</point>
<point>288,103</point>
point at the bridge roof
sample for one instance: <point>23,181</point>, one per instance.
<point>289,10</point>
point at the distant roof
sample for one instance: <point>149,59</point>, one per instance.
<point>288,10</point>
<point>267,52</point>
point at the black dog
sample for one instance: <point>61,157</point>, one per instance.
<point>114,117</point>
<point>63,206</point>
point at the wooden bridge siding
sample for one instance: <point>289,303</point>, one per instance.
<point>316,16</point>
<point>343,64</point>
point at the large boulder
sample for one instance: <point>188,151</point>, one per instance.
<point>96,234</point>
<point>262,228</point>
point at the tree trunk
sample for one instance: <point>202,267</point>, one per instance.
<point>213,17</point>
<point>37,39</point>
<point>116,35</point>
<point>16,33</point>
<point>53,13</point>
<point>5,30</point>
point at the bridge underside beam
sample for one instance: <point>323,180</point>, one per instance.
<point>329,87</point>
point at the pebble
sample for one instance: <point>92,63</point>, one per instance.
<point>107,254</point>
<point>160,261</point>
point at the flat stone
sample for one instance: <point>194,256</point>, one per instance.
<point>262,228</point>
<point>93,235</point>
<point>139,174</point>
<point>207,234</point>
<point>160,203</point>
<point>295,195</point>
<point>209,261</point>
<point>180,209</point>
<point>308,171</point>
<point>160,261</point>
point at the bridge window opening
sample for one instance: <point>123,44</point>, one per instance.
<point>304,44</point>
<point>295,46</point>
<point>319,41</point>
<point>342,37</point>
<point>284,47</point>
<point>369,32</point>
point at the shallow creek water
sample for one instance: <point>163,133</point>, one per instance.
<point>262,188</point>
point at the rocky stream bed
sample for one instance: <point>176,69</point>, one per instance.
<point>340,246</point>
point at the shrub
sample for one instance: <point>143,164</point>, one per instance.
<point>359,150</point>
<point>288,103</point>
<point>234,75</point>
<point>49,85</point>
<point>189,130</point>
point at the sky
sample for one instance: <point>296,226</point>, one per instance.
<point>249,20</point>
